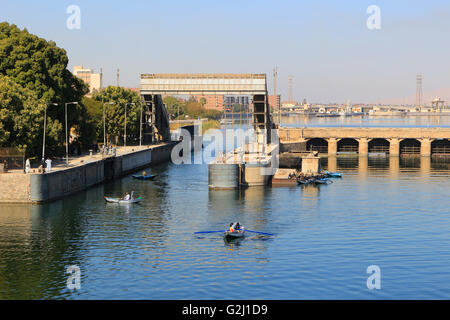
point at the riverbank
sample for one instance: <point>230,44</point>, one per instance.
<point>80,174</point>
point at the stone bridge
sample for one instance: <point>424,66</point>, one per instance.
<point>368,141</point>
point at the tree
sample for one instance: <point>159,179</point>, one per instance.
<point>37,68</point>
<point>91,129</point>
<point>115,112</point>
<point>174,105</point>
<point>21,112</point>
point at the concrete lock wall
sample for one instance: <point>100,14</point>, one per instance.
<point>57,184</point>
<point>135,160</point>
<point>15,187</point>
<point>253,175</point>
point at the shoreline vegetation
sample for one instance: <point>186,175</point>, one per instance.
<point>180,109</point>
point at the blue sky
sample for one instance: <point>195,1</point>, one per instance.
<point>325,45</point>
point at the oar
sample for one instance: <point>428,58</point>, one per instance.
<point>208,231</point>
<point>265,233</point>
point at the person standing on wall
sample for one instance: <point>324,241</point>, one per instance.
<point>49,165</point>
<point>27,165</point>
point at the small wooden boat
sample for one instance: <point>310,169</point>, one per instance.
<point>146,177</point>
<point>323,181</point>
<point>119,200</point>
<point>333,174</point>
<point>306,181</point>
<point>235,234</point>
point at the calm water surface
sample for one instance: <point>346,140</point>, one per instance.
<point>393,213</point>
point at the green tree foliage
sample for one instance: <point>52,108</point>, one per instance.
<point>91,128</point>
<point>37,68</point>
<point>115,112</point>
<point>39,65</point>
<point>190,108</point>
<point>22,118</point>
<point>174,105</point>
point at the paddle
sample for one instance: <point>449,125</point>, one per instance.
<point>208,231</point>
<point>265,233</point>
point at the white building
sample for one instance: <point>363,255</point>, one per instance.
<point>93,80</point>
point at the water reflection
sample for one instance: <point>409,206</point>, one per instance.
<point>148,250</point>
<point>37,244</point>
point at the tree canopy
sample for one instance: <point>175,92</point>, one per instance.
<point>38,64</point>
<point>33,73</point>
<point>115,100</point>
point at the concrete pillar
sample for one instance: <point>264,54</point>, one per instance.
<point>332,164</point>
<point>394,165</point>
<point>394,147</point>
<point>425,165</point>
<point>332,146</point>
<point>363,146</point>
<point>425,147</point>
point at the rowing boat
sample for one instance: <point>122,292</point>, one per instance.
<point>141,177</point>
<point>307,181</point>
<point>234,234</point>
<point>119,200</point>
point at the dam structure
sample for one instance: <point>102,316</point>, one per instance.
<point>370,141</point>
<point>228,170</point>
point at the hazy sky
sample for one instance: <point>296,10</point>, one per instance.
<point>325,45</point>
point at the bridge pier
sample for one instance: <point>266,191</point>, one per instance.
<point>363,146</point>
<point>425,147</point>
<point>332,146</point>
<point>394,147</point>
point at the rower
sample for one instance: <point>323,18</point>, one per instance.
<point>127,196</point>
<point>144,173</point>
<point>235,226</point>
<point>132,195</point>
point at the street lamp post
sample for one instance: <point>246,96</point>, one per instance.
<point>67,138</point>
<point>140,127</point>
<point>45,128</point>
<point>125,131</point>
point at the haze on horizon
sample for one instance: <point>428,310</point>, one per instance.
<point>325,45</point>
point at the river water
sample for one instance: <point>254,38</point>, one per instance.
<point>393,213</point>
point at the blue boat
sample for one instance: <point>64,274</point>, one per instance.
<point>333,174</point>
<point>146,177</point>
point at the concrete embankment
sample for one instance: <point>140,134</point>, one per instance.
<point>38,187</point>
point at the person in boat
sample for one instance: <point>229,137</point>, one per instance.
<point>235,226</point>
<point>132,195</point>
<point>127,196</point>
<point>144,173</point>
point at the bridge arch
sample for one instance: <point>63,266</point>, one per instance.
<point>440,148</point>
<point>379,145</point>
<point>410,147</point>
<point>317,144</point>
<point>348,145</point>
